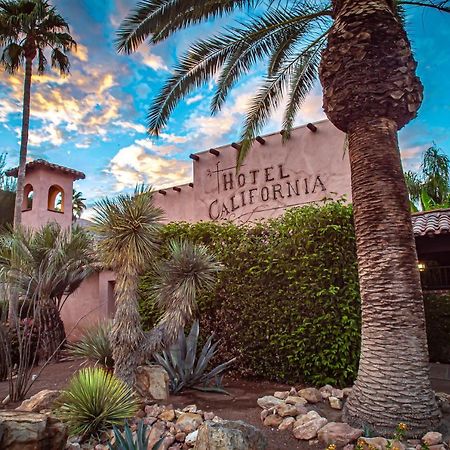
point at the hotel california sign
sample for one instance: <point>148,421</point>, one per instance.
<point>310,167</point>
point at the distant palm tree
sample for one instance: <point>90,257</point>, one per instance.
<point>46,266</point>
<point>128,229</point>
<point>363,57</point>
<point>27,29</point>
<point>78,205</point>
<point>430,188</point>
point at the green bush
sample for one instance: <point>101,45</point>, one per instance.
<point>94,401</point>
<point>287,304</point>
<point>437,312</point>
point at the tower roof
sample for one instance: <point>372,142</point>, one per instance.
<point>39,163</point>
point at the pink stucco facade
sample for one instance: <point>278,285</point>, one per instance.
<point>308,168</point>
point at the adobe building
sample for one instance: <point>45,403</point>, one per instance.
<point>48,198</point>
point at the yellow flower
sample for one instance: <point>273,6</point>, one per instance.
<point>402,426</point>
<point>331,447</point>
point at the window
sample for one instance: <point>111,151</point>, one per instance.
<point>56,199</point>
<point>27,204</point>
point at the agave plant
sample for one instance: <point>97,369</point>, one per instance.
<point>95,346</point>
<point>94,401</point>
<point>125,440</point>
<point>186,370</point>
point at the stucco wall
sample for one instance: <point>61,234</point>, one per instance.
<point>42,179</point>
<point>309,167</point>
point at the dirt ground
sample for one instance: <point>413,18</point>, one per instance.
<point>240,405</point>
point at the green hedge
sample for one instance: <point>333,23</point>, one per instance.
<point>287,303</point>
<point>437,312</point>
<point>7,200</point>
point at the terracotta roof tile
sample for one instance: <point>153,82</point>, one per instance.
<point>42,163</point>
<point>431,222</point>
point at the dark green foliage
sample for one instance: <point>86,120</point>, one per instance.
<point>7,200</point>
<point>437,312</point>
<point>125,440</point>
<point>287,303</point>
<point>187,368</point>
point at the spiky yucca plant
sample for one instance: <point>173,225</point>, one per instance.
<point>128,227</point>
<point>189,268</point>
<point>94,401</point>
<point>95,346</point>
<point>126,441</point>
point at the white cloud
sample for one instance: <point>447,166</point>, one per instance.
<point>138,128</point>
<point>155,62</point>
<point>194,99</point>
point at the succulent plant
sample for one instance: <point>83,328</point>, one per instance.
<point>126,440</point>
<point>186,370</point>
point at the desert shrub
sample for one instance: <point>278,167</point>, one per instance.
<point>133,441</point>
<point>287,303</point>
<point>95,345</point>
<point>188,368</point>
<point>94,401</point>
<point>437,312</point>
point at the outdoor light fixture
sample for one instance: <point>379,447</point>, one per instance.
<point>422,266</point>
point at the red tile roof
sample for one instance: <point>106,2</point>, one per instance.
<point>429,223</point>
<point>42,163</point>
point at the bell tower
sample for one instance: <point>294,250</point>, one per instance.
<point>47,193</point>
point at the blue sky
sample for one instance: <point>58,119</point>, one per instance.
<point>94,120</point>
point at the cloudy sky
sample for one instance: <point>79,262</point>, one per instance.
<point>94,120</point>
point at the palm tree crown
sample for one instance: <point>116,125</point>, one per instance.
<point>27,29</point>
<point>287,36</point>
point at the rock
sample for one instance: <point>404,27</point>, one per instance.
<point>176,446</point>
<point>153,410</point>
<point>155,434</point>
<point>150,420</point>
<point>166,443</point>
<point>432,438</point>
<point>293,392</point>
<point>349,447</point>
<point>42,400</point>
<point>285,410</point>
<point>282,395</point>
<point>335,403</point>
<point>21,430</point>
<point>167,415</point>
<point>325,391</point>
<point>287,424</point>
<point>338,393</point>
<point>190,408</point>
<point>189,422</point>
<point>268,401</point>
<point>73,446</point>
<point>180,436</point>
<point>229,435</point>
<point>311,415</point>
<point>376,443</point>
<point>437,447</point>
<point>311,394</point>
<point>294,400</point>
<point>265,413</point>
<point>208,415</point>
<point>309,429</point>
<point>272,421</point>
<point>347,391</point>
<point>339,434</point>
<point>301,410</point>
<point>152,382</point>
<point>398,445</point>
<point>191,438</point>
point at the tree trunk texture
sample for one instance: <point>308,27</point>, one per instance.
<point>370,91</point>
<point>127,335</point>
<point>393,382</point>
<point>51,328</point>
<point>23,142</point>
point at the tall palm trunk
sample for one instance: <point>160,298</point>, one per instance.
<point>13,296</point>
<point>370,91</point>
<point>51,328</point>
<point>127,335</point>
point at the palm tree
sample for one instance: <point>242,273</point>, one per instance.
<point>46,266</point>
<point>363,57</point>
<point>78,205</point>
<point>430,188</point>
<point>128,228</point>
<point>27,29</point>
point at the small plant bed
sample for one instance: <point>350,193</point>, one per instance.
<point>313,416</point>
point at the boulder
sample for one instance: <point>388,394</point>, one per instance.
<point>229,435</point>
<point>21,430</point>
<point>309,429</point>
<point>295,400</point>
<point>325,391</point>
<point>273,421</point>
<point>339,434</point>
<point>312,395</point>
<point>156,432</point>
<point>376,443</point>
<point>285,410</point>
<point>268,401</point>
<point>282,395</point>
<point>189,422</point>
<point>432,438</point>
<point>338,393</point>
<point>191,438</point>
<point>287,424</point>
<point>347,391</point>
<point>335,402</point>
<point>167,415</point>
<point>42,400</point>
<point>311,415</point>
<point>152,382</point>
